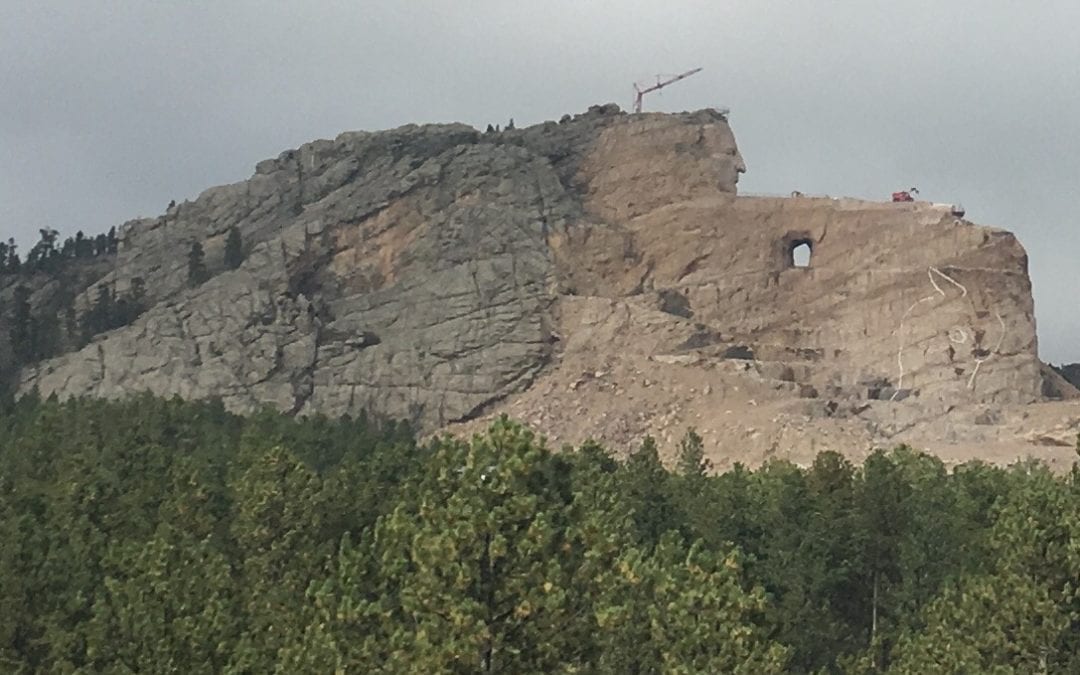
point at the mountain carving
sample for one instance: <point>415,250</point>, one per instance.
<point>598,276</point>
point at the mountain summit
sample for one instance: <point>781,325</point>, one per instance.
<point>598,276</point>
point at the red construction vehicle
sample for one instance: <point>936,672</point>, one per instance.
<point>906,195</point>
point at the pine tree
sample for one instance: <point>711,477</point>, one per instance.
<point>197,272</point>
<point>234,249</point>
<point>703,619</point>
<point>811,554</point>
<point>643,482</point>
<point>15,600</point>
<point>884,504</point>
<point>278,527</point>
<point>84,248</point>
<point>129,306</point>
<point>43,251</point>
<point>100,316</point>
<point>13,262</point>
<point>691,460</point>
<point>21,331</point>
<point>137,291</point>
<point>985,624</point>
<point>72,336</point>
<point>44,336</point>
<point>1036,534</point>
<point>172,610</point>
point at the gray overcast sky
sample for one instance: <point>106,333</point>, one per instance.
<point>109,109</point>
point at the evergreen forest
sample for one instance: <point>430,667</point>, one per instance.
<point>59,298</point>
<point>162,536</point>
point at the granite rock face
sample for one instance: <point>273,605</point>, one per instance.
<point>405,272</point>
<point>434,273</point>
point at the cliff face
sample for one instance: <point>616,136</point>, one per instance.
<point>903,297</point>
<point>435,273</point>
<point>406,272</point>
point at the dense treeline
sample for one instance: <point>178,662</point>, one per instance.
<point>39,334</point>
<point>152,536</point>
<point>39,315</point>
<point>49,255</point>
<point>38,297</point>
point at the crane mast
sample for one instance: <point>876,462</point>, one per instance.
<point>660,84</point>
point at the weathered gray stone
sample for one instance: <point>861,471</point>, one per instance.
<point>404,272</point>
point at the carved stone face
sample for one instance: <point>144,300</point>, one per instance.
<point>654,161</point>
<point>719,143</point>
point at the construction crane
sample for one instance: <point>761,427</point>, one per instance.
<point>660,84</point>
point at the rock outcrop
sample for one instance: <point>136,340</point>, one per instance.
<point>439,274</point>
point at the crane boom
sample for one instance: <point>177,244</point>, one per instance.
<point>660,84</point>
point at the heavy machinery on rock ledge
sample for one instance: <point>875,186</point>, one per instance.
<point>908,195</point>
<point>905,195</point>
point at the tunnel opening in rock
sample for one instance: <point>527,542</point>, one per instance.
<point>799,252</point>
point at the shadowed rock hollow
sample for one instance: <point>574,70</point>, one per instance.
<point>438,274</point>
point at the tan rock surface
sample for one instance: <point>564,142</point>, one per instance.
<point>619,376</point>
